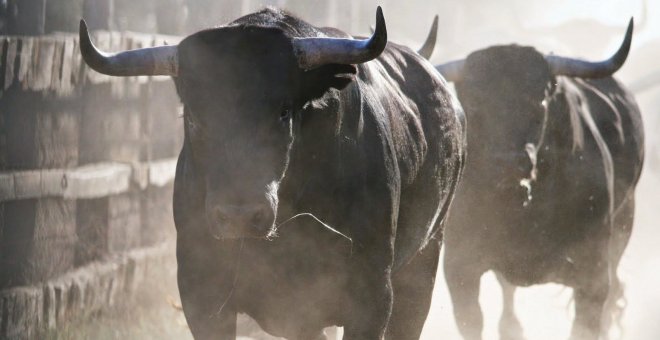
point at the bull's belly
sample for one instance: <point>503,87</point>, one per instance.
<point>289,311</point>
<point>291,291</point>
<point>526,271</point>
<point>563,260</point>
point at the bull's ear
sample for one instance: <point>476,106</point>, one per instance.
<point>318,81</point>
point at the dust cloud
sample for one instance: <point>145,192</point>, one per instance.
<point>587,29</point>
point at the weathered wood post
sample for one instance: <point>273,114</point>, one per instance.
<point>86,164</point>
<point>63,15</point>
<point>29,18</point>
<point>40,137</point>
<point>161,131</point>
<point>109,132</point>
<point>99,14</point>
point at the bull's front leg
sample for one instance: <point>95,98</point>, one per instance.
<point>592,284</point>
<point>205,286</point>
<point>463,278</point>
<point>589,303</point>
<point>371,294</point>
<point>509,327</point>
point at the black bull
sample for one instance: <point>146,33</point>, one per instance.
<point>555,152</point>
<point>312,184</point>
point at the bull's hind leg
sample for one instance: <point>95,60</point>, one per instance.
<point>413,288</point>
<point>615,303</point>
<point>589,302</point>
<point>592,287</point>
<point>463,280</point>
<point>601,284</point>
<point>509,327</point>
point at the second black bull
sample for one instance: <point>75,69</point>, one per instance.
<point>314,177</point>
<point>555,151</point>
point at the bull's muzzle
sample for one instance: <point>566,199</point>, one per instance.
<point>239,221</point>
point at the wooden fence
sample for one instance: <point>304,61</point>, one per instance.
<point>86,170</point>
<point>87,161</point>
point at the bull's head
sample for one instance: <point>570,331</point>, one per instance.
<point>507,91</point>
<point>243,87</point>
<point>455,70</point>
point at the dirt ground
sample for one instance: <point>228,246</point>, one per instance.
<point>545,311</point>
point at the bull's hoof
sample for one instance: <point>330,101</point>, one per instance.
<point>510,329</point>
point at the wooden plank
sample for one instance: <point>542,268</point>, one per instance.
<point>70,67</point>
<point>52,63</point>
<point>84,182</point>
<point>76,64</point>
<point>41,72</point>
<point>27,184</point>
<point>12,45</point>
<point>7,189</point>
<point>52,182</point>
<point>56,69</point>
<point>162,172</point>
<point>97,180</point>
<point>25,61</point>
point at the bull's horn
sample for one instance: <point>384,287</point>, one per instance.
<point>453,70</point>
<point>584,69</point>
<point>427,49</point>
<point>149,61</point>
<point>314,52</point>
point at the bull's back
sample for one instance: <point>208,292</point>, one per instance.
<point>427,125</point>
<point>424,119</point>
<point>619,124</point>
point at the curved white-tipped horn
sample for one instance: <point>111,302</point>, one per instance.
<point>585,69</point>
<point>453,70</point>
<point>426,50</point>
<point>314,52</point>
<point>149,61</point>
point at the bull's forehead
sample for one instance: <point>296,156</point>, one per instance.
<point>239,57</point>
<point>506,74</point>
<point>523,63</point>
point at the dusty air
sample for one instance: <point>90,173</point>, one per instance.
<point>327,170</point>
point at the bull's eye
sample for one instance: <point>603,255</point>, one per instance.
<point>285,115</point>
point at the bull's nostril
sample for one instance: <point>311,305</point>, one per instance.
<point>241,220</point>
<point>258,218</point>
<point>220,216</point>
